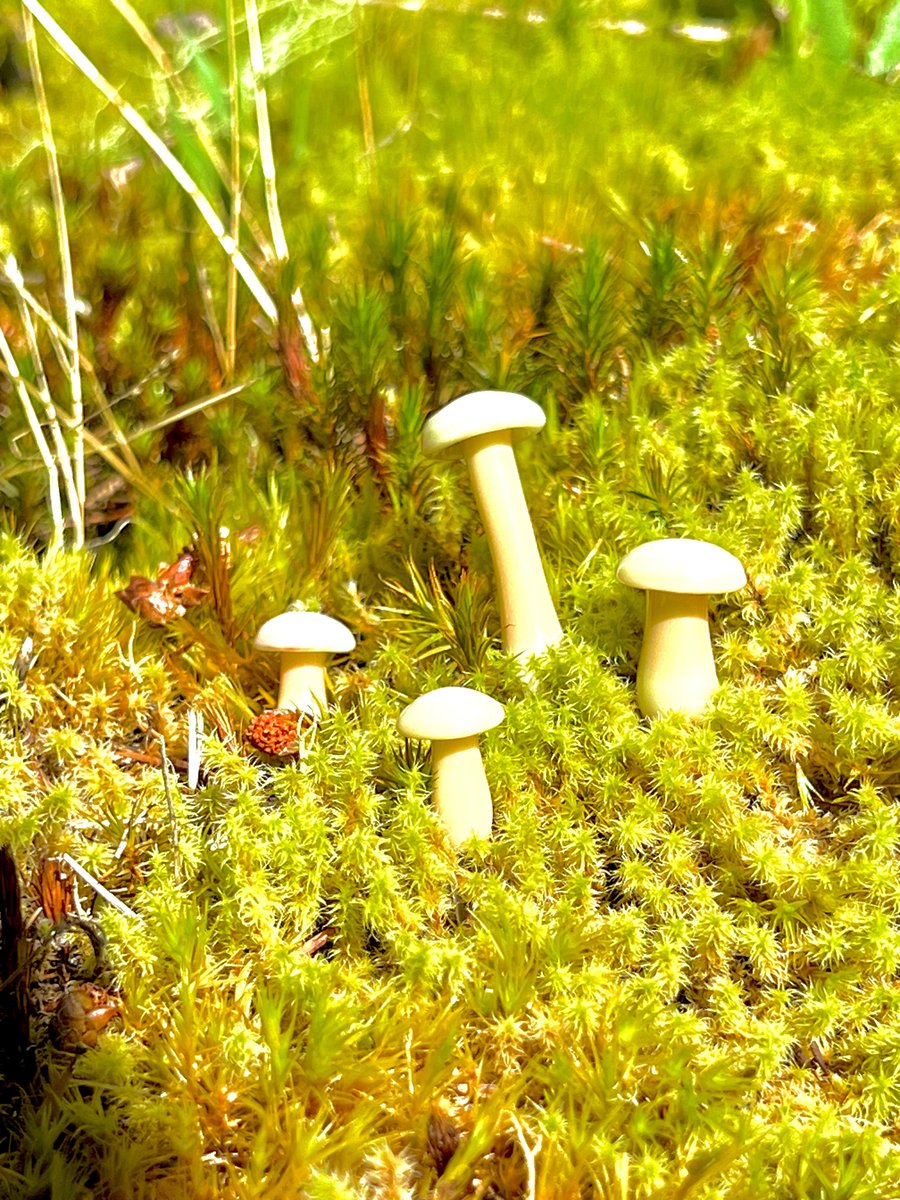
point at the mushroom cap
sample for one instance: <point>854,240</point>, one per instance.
<point>476,414</point>
<point>683,565</point>
<point>310,631</point>
<point>450,713</point>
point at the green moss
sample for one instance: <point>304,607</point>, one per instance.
<point>671,970</point>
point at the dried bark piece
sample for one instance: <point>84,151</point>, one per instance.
<point>16,1060</point>
<point>54,887</point>
<point>442,1137</point>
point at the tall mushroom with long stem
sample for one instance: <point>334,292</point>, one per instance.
<point>305,640</point>
<point>676,671</point>
<point>481,427</point>
<point>452,718</point>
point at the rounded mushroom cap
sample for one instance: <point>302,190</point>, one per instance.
<point>450,713</point>
<point>683,565</point>
<point>310,631</point>
<point>476,414</point>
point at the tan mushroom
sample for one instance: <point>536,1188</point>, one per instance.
<point>676,669</point>
<point>452,718</point>
<point>481,427</point>
<point>305,640</point>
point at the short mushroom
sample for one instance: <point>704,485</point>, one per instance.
<point>480,427</point>
<point>305,640</point>
<point>676,669</point>
<point>451,718</point>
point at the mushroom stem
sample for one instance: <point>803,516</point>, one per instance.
<point>676,669</point>
<point>528,619</point>
<point>461,792</point>
<point>303,681</point>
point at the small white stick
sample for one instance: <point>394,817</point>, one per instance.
<point>98,887</point>
<point>195,746</point>
<point>529,1153</point>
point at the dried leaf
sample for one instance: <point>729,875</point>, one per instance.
<point>54,887</point>
<point>83,1013</point>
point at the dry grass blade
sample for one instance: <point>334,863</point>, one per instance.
<point>61,450</point>
<point>55,498</point>
<point>73,368</point>
<point>267,162</point>
<point>234,189</point>
<point>62,346</point>
<point>266,158</point>
<point>162,152</point>
<point>189,111</point>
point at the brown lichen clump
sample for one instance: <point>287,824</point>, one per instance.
<point>276,731</point>
<point>81,1016</point>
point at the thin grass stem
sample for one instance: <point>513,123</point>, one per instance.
<point>235,190</point>
<point>135,479</point>
<point>61,343</point>
<point>73,368</point>
<point>212,321</point>
<point>264,131</point>
<point>162,152</point>
<point>55,498</point>
<point>365,108</point>
<point>267,163</point>
<point>188,110</point>
<point>61,450</point>
<point>94,882</point>
<point>103,408</point>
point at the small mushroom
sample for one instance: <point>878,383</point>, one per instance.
<point>480,427</point>
<point>305,640</point>
<point>451,718</point>
<point>676,669</point>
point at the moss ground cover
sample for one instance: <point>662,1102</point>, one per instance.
<point>672,972</point>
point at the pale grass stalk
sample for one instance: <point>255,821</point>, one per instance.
<point>212,321</point>
<point>14,277</point>
<point>93,443</point>
<point>94,882</point>
<point>61,343</point>
<point>234,189</point>
<point>73,369</point>
<point>267,163</point>
<point>190,409</point>
<point>161,150</point>
<point>529,1153</point>
<point>266,157</point>
<point>187,109</point>
<point>55,498</point>
<point>365,108</point>
<point>102,403</point>
<point>60,449</point>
